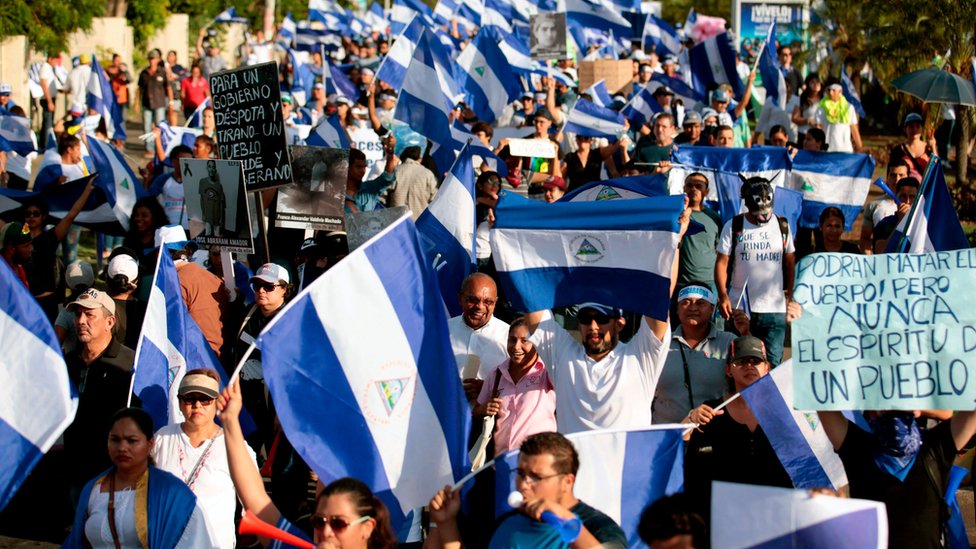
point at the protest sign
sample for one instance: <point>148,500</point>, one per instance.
<point>547,39</point>
<point>362,226</point>
<point>217,204</point>
<point>618,74</point>
<point>885,332</point>
<point>535,148</point>
<point>751,20</point>
<point>316,199</point>
<point>368,141</point>
<point>250,127</point>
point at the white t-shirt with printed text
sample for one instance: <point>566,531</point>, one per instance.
<point>760,262</point>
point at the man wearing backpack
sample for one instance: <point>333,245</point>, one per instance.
<point>755,265</point>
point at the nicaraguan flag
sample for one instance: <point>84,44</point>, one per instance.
<point>303,79</point>
<point>789,204</point>
<point>394,66</point>
<point>172,136</point>
<point>594,15</point>
<point>589,119</point>
<point>712,63</point>
<point>37,400</point>
<point>429,91</point>
<point>288,29</point>
<point>636,186</point>
<point>690,96</point>
<point>599,94</point>
<point>620,472</point>
<point>404,11</point>
<point>661,35</point>
<point>772,77</point>
<point>330,13</point>
<point>447,228</point>
<point>338,83</point>
<point>398,418</point>
<point>170,340</point>
<point>377,19</point>
<point>516,52</point>
<point>15,134</point>
<point>486,78</point>
<point>328,133</point>
<point>229,15</point>
<point>850,93</point>
<point>641,108</point>
<point>444,154</point>
<point>102,100</point>
<point>831,179</point>
<point>549,255</point>
<point>501,14</point>
<point>932,224</point>
<point>748,516</point>
<point>309,39</point>
<point>196,117</point>
<point>797,437</point>
<point>115,178</point>
<point>722,166</point>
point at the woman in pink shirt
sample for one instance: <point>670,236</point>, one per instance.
<point>194,90</point>
<point>518,393</point>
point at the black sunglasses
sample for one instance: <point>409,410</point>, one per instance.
<point>337,524</point>
<point>33,213</point>
<point>587,318</point>
<point>192,399</point>
<point>266,286</point>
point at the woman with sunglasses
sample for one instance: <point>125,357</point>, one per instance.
<point>729,444</point>
<point>135,504</point>
<point>194,451</point>
<point>347,513</point>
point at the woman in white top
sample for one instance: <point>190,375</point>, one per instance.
<point>194,451</point>
<point>134,504</point>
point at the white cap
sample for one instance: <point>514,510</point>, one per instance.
<point>173,236</point>
<point>125,265</point>
<point>79,274</point>
<point>272,273</point>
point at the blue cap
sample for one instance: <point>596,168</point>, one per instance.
<point>600,308</point>
<point>913,117</point>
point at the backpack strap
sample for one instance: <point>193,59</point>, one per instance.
<point>738,221</point>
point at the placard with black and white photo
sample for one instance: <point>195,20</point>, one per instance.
<point>316,199</point>
<point>217,204</point>
<point>547,39</point>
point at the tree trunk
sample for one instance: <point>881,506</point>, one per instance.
<point>116,8</point>
<point>269,19</point>
<point>962,151</point>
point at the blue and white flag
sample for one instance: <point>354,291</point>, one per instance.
<point>831,179</point>
<point>229,15</point>
<point>309,39</point>
<point>404,11</point>
<point>620,472</point>
<point>564,253</point>
<point>712,63</point>
<point>172,136</point>
<point>636,186</point>
<point>800,442</point>
<point>690,96</point>
<point>338,83</point>
<point>429,91</point>
<point>850,93</point>
<point>447,228</point>
<point>788,203</point>
<point>589,119</point>
<point>516,52</point>
<point>115,179</point>
<point>169,341</point>
<point>932,224</point>
<point>772,77</point>
<point>749,516</point>
<point>599,94</point>
<point>377,19</point>
<point>196,117</point>
<point>501,14</point>
<point>592,14</point>
<point>288,29</point>
<point>444,154</point>
<point>15,134</point>
<point>398,418</point>
<point>486,78</point>
<point>329,13</point>
<point>394,65</point>
<point>661,35</point>
<point>721,167</point>
<point>37,400</point>
<point>328,133</point>
<point>641,108</point>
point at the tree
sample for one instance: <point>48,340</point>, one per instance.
<point>47,23</point>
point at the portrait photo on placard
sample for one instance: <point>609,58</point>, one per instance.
<point>216,204</point>
<point>547,36</point>
<point>362,226</point>
<point>317,197</point>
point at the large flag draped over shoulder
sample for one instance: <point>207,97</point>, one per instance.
<point>745,516</point>
<point>799,441</point>
<point>362,374</point>
<point>620,473</point>
<point>713,63</point>
<point>170,342</point>
<point>102,99</point>
<point>429,91</point>
<point>932,225</point>
<point>37,401</point>
<point>447,228</point>
<point>831,179</point>
<point>486,77</point>
<point>565,253</point>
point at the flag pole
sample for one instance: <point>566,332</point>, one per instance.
<point>715,409</point>
<point>471,475</point>
<point>138,351</point>
<point>926,181</point>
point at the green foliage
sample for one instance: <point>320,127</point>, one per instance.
<point>675,11</point>
<point>145,16</point>
<point>47,23</point>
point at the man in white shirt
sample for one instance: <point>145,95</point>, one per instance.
<point>78,81</point>
<point>478,339</point>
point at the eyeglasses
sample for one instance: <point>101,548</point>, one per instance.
<point>588,318</point>
<point>532,479</point>
<point>748,361</point>
<point>33,213</point>
<point>337,524</point>
<point>266,286</point>
<point>193,399</point>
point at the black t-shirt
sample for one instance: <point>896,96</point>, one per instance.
<point>726,450</point>
<point>577,174</point>
<point>913,505</point>
<point>41,270</point>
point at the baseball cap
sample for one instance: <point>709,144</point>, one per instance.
<point>15,234</point>
<point>286,98</point>
<point>707,113</point>
<point>668,60</point>
<point>527,95</point>
<point>691,117</point>
<point>336,243</point>
<point>912,117</point>
<point>541,96</point>
<point>125,265</point>
<point>199,383</point>
<point>646,68</point>
<point>92,299</point>
<point>835,86</point>
<point>272,273</point>
<point>173,237</point>
<point>555,182</point>
<point>5,88</point>
<point>367,70</point>
<point>154,54</point>
<point>309,245</point>
<point>544,113</point>
<point>600,308</point>
<point>720,96</point>
<point>77,109</point>
<point>663,90</point>
<point>746,346</point>
<point>343,100</point>
<point>319,86</point>
<point>79,274</point>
